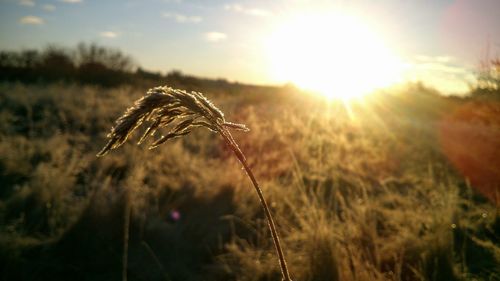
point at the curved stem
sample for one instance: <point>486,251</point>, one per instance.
<point>126,227</point>
<point>270,221</point>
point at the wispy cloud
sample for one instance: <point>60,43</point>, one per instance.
<point>27,3</point>
<point>439,59</point>
<point>109,34</point>
<point>71,1</point>
<point>180,18</point>
<point>444,73</point>
<point>49,7</point>
<point>238,8</point>
<point>443,64</point>
<point>31,20</point>
<point>441,67</point>
<point>215,36</point>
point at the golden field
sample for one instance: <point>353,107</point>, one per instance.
<point>403,185</point>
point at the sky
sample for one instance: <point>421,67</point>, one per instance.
<point>438,41</point>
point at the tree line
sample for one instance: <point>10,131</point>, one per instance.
<point>108,67</point>
<point>85,64</point>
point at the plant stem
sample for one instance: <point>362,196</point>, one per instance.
<point>270,221</point>
<point>155,258</point>
<point>126,226</point>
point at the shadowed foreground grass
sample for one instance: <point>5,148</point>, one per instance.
<point>385,190</point>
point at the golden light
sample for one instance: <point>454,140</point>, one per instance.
<point>333,54</point>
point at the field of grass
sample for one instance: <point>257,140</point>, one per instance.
<point>402,186</point>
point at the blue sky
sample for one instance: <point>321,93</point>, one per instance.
<point>440,41</point>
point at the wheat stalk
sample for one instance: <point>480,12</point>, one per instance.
<point>182,111</point>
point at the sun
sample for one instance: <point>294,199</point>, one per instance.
<point>332,54</point>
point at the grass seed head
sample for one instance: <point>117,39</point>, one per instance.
<point>165,106</point>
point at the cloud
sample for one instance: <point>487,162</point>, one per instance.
<point>31,20</point>
<point>180,18</point>
<point>109,34</point>
<point>49,7</point>
<point>238,8</point>
<point>215,36</point>
<point>27,3</point>
<point>439,59</point>
<point>443,64</point>
<point>71,1</point>
<point>441,67</point>
<point>444,73</point>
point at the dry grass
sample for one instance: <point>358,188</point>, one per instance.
<point>371,198</point>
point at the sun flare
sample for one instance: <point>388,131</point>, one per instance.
<point>332,54</point>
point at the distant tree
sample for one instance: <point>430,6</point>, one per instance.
<point>104,66</point>
<point>141,73</point>
<point>489,74</point>
<point>57,64</point>
<point>91,54</point>
<point>175,74</point>
<point>19,66</point>
<point>488,78</point>
<point>28,59</point>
